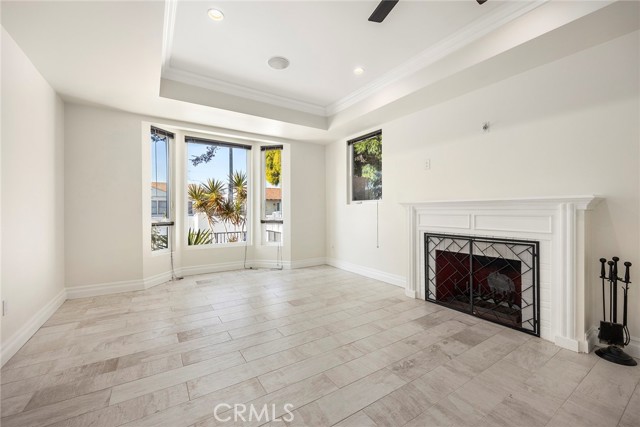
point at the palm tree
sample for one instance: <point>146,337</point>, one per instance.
<point>207,198</point>
<point>212,199</point>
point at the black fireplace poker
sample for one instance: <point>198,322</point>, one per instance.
<point>614,334</point>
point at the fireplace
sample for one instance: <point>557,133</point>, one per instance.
<point>559,224</point>
<point>491,278</point>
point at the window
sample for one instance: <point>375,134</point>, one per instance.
<point>160,189</point>
<point>272,218</point>
<point>217,191</point>
<point>365,167</point>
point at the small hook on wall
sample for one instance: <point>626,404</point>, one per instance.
<point>486,126</point>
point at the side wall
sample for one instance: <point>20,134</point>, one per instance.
<point>570,127</point>
<point>307,204</point>
<point>32,198</point>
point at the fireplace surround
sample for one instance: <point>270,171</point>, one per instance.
<point>558,224</point>
<point>494,279</point>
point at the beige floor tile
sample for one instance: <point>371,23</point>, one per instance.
<point>202,408</point>
<point>359,419</point>
<point>309,367</point>
<point>166,379</point>
<point>50,414</point>
<point>130,410</point>
<point>348,400</point>
<point>343,349</point>
<point>398,407</point>
<point>631,415</point>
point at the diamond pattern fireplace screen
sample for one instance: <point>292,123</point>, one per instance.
<point>494,279</point>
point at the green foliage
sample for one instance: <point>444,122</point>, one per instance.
<point>158,241</point>
<point>199,237</point>
<point>367,163</point>
<point>273,166</point>
<point>213,200</point>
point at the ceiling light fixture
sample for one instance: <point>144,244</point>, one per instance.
<point>215,14</point>
<point>358,71</point>
<point>278,63</point>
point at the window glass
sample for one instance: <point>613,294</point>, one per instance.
<point>366,168</point>
<point>217,192</point>
<point>160,194</point>
<point>272,217</point>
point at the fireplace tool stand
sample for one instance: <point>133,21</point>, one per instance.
<point>612,332</point>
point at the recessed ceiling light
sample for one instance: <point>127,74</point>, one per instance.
<point>358,71</point>
<point>215,14</point>
<point>278,63</point>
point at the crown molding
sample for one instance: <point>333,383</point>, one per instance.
<point>170,8</point>
<point>191,78</point>
<point>477,29</point>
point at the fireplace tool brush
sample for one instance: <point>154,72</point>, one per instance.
<point>614,334</point>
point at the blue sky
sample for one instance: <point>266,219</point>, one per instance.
<point>217,168</point>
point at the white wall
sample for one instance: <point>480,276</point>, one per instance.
<point>32,198</point>
<point>103,205</point>
<point>307,202</point>
<point>570,127</point>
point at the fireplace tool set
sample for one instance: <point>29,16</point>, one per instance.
<point>612,332</point>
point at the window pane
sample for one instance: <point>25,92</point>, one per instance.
<point>272,196</point>
<point>159,189</point>
<point>159,238</point>
<point>366,178</point>
<point>217,192</point>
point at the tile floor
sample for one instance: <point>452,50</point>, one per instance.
<point>337,348</point>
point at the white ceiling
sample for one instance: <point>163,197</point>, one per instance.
<point>111,53</point>
<point>324,40</point>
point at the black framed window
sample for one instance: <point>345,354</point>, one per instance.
<point>217,191</point>
<point>272,215</point>
<point>365,167</point>
<point>160,141</point>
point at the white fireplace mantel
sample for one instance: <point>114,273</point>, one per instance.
<point>558,223</point>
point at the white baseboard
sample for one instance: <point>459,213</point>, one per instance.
<point>87,291</point>
<point>211,268</point>
<point>568,343</point>
<point>309,262</point>
<point>26,331</point>
<point>372,273</point>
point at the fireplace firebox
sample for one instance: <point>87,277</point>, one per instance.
<point>491,278</point>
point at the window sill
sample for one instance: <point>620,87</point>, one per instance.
<point>364,202</point>
<point>217,246</point>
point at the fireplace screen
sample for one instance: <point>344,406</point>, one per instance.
<point>495,279</point>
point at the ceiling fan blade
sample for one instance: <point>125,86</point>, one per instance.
<point>383,10</point>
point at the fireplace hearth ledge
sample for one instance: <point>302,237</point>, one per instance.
<point>560,224</point>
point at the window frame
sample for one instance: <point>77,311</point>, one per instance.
<point>263,196</point>
<point>188,138</point>
<point>350,161</point>
<point>170,136</point>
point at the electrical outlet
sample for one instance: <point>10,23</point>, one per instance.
<point>427,164</point>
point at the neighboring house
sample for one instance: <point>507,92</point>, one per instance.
<point>273,203</point>
<point>158,200</point>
